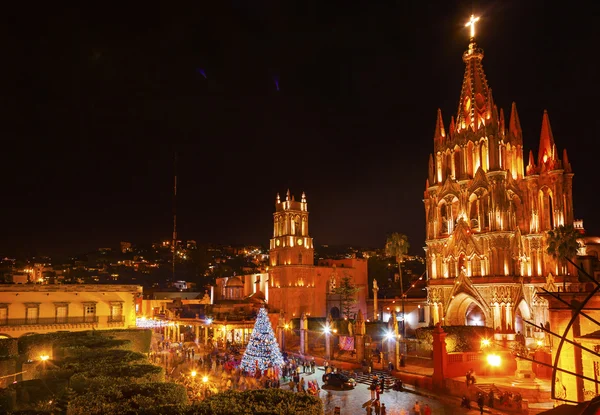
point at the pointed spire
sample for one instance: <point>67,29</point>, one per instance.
<point>452,127</point>
<point>431,171</point>
<point>303,197</point>
<point>278,200</point>
<point>287,195</point>
<point>566,164</point>
<point>531,168</point>
<point>514,125</point>
<point>474,105</point>
<point>502,125</point>
<point>440,132</point>
<point>546,141</point>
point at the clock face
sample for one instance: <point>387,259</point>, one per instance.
<point>277,242</point>
<point>299,241</point>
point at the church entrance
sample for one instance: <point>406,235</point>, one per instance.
<point>335,312</point>
<point>464,310</point>
<point>522,313</point>
<point>474,315</point>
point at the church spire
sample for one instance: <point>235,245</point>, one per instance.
<point>546,151</point>
<point>475,106</point>
<point>440,132</point>
<point>514,125</point>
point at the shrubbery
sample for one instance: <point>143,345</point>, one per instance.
<point>262,401</point>
<point>133,398</point>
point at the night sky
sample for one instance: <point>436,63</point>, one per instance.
<point>324,97</point>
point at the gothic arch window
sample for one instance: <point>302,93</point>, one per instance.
<point>300,258</point>
<point>458,168</point>
<point>444,217</point>
<point>469,158</point>
<point>297,228</point>
<point>474,211</point>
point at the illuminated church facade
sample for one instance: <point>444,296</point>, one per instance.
<point>296,285</point>
<point>488,209</point>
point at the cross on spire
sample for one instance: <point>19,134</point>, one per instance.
<point>471,23</point>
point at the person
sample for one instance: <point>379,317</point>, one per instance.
<point>465,402</point>
<point>398,386</point>
<point>491,399</point>
<point>382,384</point>
<point>480,402</point>
<point>402,361</point>
<point>390,367</point>
<point>427,410</point>
<point>373,387</point>
<point>417,408</point>
<point>383,410</point>
<point>377,407</point>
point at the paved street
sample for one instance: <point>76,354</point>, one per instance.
<point>351,402</point>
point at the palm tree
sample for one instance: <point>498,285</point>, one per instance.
<point>563,245</point>
<point>397,246</point>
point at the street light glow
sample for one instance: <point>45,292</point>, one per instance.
<point>493,360</point>
<point>44,357</point>
<point>194,373</point>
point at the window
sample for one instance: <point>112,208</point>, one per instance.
<point>421,315</point>
<point>32,313</point>
<point>61,312</point>
<point>116,311</point>
<point>89,312</point>
<point>3,314</point>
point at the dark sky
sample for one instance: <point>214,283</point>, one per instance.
<point>98,100</point>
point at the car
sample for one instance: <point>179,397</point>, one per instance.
<point>338,379</point>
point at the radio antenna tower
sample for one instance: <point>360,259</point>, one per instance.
<point>173,246</point>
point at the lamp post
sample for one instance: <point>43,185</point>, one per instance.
<point>327,331</point>
<point>286,326</point>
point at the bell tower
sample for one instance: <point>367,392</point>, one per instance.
<point>291,244</point>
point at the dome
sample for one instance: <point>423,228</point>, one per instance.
<point>234,282</point>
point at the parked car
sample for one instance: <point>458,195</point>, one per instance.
<point>338,379</point>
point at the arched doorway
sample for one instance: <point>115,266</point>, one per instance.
<point>522,312</point>
<point>335,312</point>
<point>475,315</point>
<point>465,310</point>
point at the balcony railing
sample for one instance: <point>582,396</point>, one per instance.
<point>116,319</point>
<point>46,321</point>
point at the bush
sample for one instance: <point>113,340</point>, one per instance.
<point>262,401</point>
<point>118,399</point>
<point>9,347</point>
<point>116,375</point>
<point>87,360</point>
<point>140,339</point>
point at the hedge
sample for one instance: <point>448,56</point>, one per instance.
<point>141,339</point>
<point>108,376</point>
<point>261,401</point>
<point>9,347</point>
<point>88,360</point>
<point>123,399</point>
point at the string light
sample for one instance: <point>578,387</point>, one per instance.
<point>262,351</point>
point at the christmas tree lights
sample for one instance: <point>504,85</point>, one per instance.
<point>262,351</point>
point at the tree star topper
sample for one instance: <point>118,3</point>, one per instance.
<point>472,24</point>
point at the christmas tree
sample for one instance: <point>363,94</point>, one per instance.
<point>262,351</point>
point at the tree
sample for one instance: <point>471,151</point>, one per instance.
<point>563,245</point>
<point>397,246</point>
<point>347,292</point>
<point>262,351</point>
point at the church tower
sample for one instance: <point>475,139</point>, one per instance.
<point>291,244</point>
<point>487,215</point>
